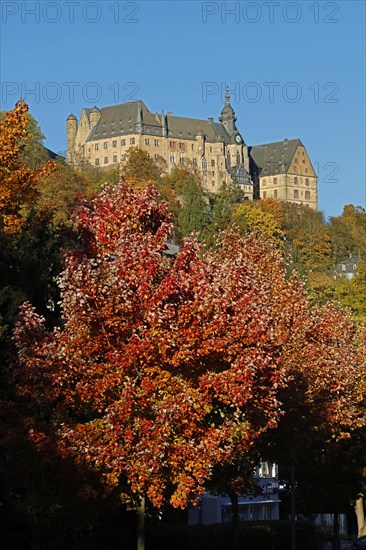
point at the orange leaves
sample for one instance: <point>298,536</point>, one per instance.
<point>18,184</point>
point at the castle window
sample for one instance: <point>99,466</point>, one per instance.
<point>307,181</point>
<point>114,143</point>
<point>296,179</point>
<point>105,145</point>
<point>123,142</point>
<point>303,161</point>
<point>132,141</point>
<point>192,146</point>
<point>147,141</point>
<point>213,174</point>
<point>156,157</point>
<point>264,194</point>
<point>307,195</point>
<point>172,144</point>
<point>274,180</point>
<point>96,162</point>
<point>306,170</point>
<point>296,193</point>
<point>264,181</point>
<point>105,160</point>
<point>123,157</point>
<point>275,194</point>
<point>171,158</point>
<point>213,163</point>
<point>204,164</point>
<point>96,146</point>
<point>195,162</point>
<point>210,149</point>
<point>181,145</point>
<point>114,158</point>
<point>156,143</point>
<point>181,159</point>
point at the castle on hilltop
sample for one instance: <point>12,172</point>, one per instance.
<point>280,170</point>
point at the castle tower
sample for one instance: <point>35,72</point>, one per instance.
<point>71,129</point>
<point>228,117</point>
<point>94,116</point>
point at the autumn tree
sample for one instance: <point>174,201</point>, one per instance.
<point>62,191</point>
<point>348,233</point>
<point>323,403</point>
<point>139,168</point>
<point>250,217</point>
<point>167,376</point>
<point>18,182</point>
<point>308,240</point>
<point>168,373</point>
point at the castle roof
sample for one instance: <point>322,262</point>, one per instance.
<point>119,120</point>
<point>275,157</point>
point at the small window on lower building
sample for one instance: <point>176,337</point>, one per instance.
<point>123,142</point>
<point>275,194</point>
<point>114,143</point>
<point>105,160</point>
<point>96,162</point>
<point>123,157</point>
<point>307,195</point>
<point>114,158</point>
<point>132,141</point>
<point>264,194</point>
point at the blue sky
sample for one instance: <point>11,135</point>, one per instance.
<point>295,69</point>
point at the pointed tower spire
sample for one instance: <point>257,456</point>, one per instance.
<point>228,117</point>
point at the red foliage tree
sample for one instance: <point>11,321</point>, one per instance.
<point>165,369</point>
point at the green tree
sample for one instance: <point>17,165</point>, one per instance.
<point>223,205</point>
<point>194,214</point>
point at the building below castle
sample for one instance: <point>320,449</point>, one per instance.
<point>280,170</point>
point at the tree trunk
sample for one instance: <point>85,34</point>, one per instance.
<point>293,503</point>
<point>141,525</point>
<point>235,520</point>
<point>336,539</point>
<point>360,515</point>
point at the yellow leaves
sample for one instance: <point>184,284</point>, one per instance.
<point>251,218</point>
<point>18,183</point>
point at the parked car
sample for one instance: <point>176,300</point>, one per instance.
<point>360,544</point>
